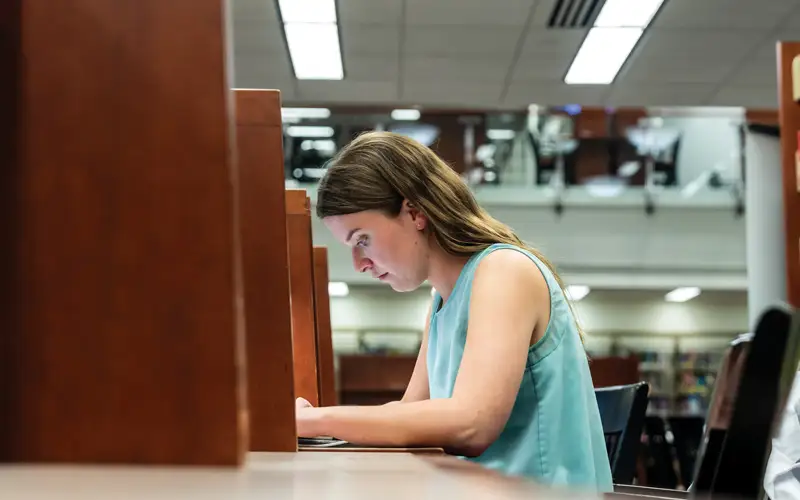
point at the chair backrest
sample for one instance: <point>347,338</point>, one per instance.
<point>740,467</point>
<point>622,411</point>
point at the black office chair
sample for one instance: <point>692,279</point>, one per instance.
<point>622,411</point>
<point>730,463</point>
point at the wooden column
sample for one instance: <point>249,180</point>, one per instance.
<point>121,335</point>
<point>265,260</point>
<point>326,376</point>
<point>789,116</point>
<point>301,275</point>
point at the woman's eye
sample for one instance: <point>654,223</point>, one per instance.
<point>363,241</point>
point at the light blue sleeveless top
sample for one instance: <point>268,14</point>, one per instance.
<point>554,434</point>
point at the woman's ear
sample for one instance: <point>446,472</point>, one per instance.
<point>417,217</point>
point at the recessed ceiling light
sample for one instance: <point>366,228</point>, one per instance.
<point>311,113</point>
<point>618,27</point>
<point>682,294</point>
<point>309,131</point>
<point>312,37</point>
<point>601,56</point>
<point>627,13</point>
<point>338,289</point>
<point>405,114</point>
<point>577,292</point>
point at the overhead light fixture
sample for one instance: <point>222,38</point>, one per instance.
<point>312,37</point>
<point>308,113</point>
<point>309,131</point>
<point>577,292</point>
<point>682,294</point>
<point>499,134</point>
<point>627,13</point>
<point>338,289</point>
<point>406,114</point>
<point>610,41</point>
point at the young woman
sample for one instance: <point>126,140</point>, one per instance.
<point>502,377</point>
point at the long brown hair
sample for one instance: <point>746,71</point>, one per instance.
<point>379,170</point>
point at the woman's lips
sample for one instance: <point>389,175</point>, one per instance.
<point>383,276</point>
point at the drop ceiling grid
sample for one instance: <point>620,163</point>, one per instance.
<point>475,53</point>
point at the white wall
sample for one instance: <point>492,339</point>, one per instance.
<point>609,243</point>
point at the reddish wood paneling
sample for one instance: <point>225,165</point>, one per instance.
<point>762,116</point>
<point>124,336</point>
<point>789,115</point>
<point>301,265</point>
<point>265,261</point>
<point>326,375</point>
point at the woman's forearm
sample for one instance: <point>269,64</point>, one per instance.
<point>436,422</point>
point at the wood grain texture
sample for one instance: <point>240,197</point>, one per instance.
<point>10,300</point>
<point>326,374</point>
<point>265,262</point>
<point>789,116</point>
<point>124,336</point>
<point>301,277</point>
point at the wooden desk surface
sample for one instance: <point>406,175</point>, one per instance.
<point>295,476</point>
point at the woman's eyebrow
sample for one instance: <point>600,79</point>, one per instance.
<point>350,234</point>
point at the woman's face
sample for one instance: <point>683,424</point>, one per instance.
<point>391,249</point>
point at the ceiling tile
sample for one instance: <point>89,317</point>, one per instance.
<point>370,11</point>
<point>756,73</point>
<point>364,39</point>
<point>697,44</point>
<point>255,9</point>
<point>542,13</point>
<point>254,72</point>
<point>478,12</point>
<point>676,94</point>
<point>467,95</point>
<point>455,70</point>
<point>455,40</point>
<point>744,14</point>
<point>371,68</point>
<point>548,41</point>
<point>555,94</point>
<point>541,67</point>
<point>677,71</point>
<point>751,97</point>
<point>257,35</point>
<point>350,91</point>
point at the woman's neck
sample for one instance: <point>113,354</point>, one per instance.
<point>444,271</point>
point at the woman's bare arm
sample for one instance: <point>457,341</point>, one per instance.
<point>509,299</point>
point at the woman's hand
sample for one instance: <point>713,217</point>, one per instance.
<point>307,418</point>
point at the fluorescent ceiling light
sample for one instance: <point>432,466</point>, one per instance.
<point>303,131</point>
<point>338,289</point>
<point>498,134</point>
<point>577,292</point>
<point>315,52</point>
<point>682,294</point>
<point>602,54</point>
<point>323,145</point>
<point>627,13</point>
<point>318,113</point>
<point>308,11</point>
<point>405,114</point>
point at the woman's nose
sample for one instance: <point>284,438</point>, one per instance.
<point>361,263</point>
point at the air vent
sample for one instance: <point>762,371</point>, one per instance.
<point>569,14</point>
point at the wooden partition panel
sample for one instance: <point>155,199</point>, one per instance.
<point>301,273</point>
<point>120,343</point>
<point>326,376</point>
<point>265,260</point>
<point>789,116</point>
